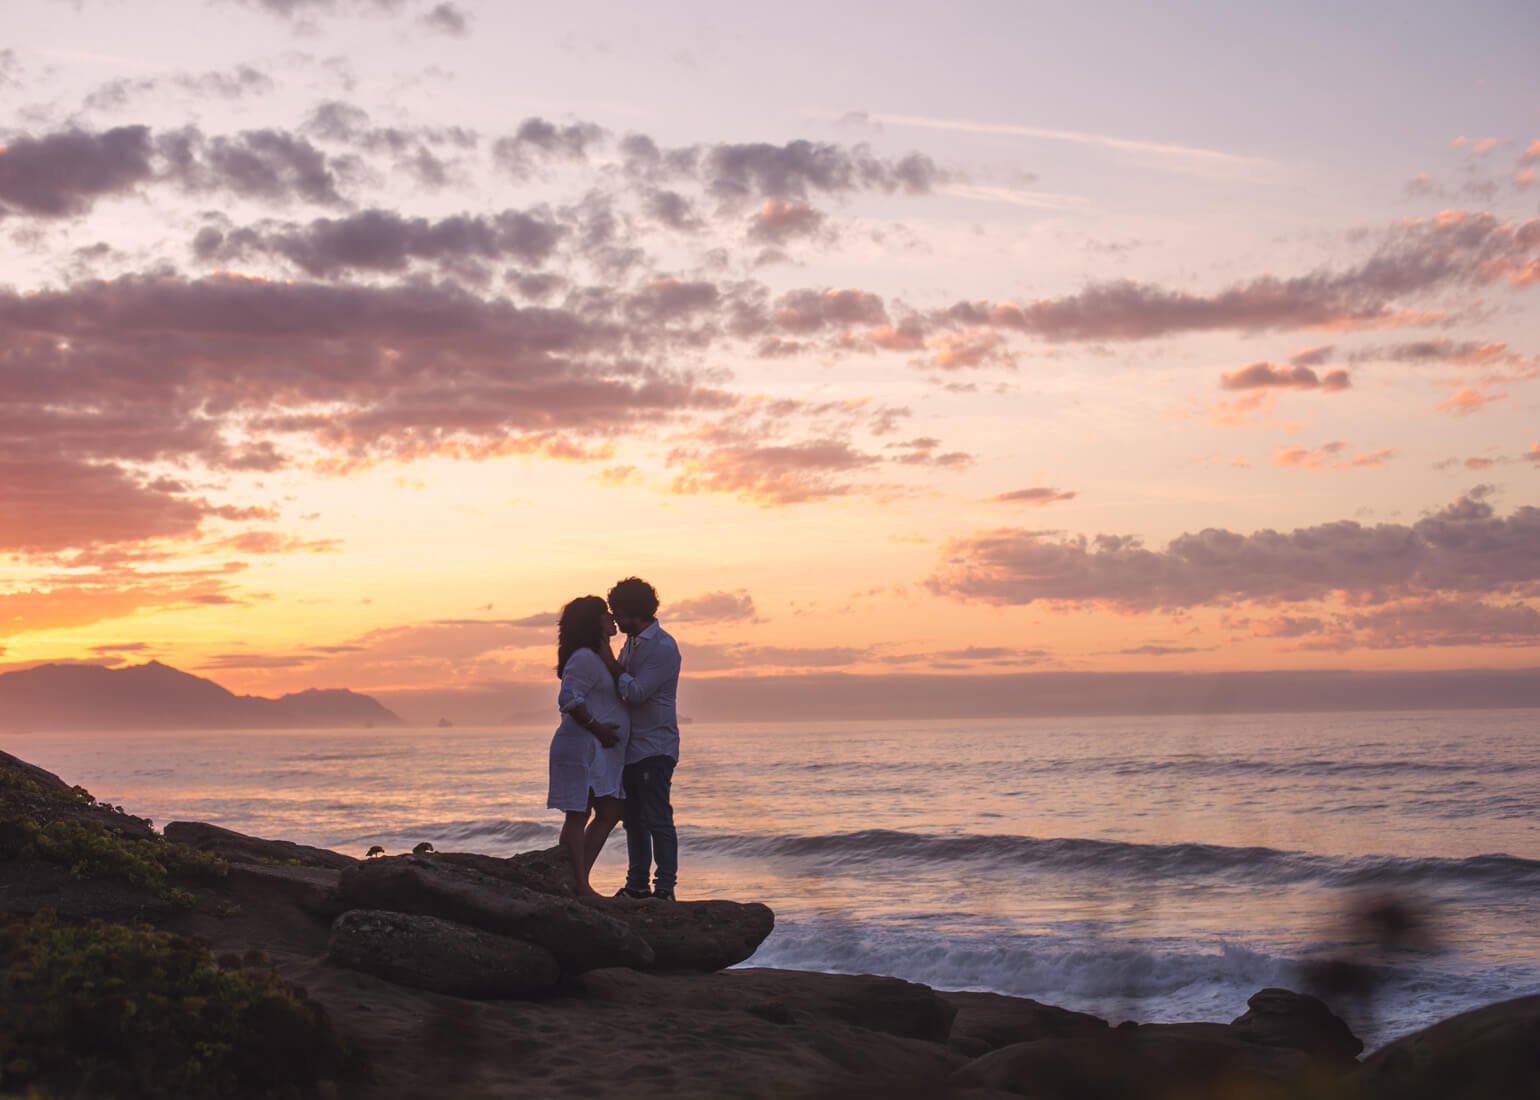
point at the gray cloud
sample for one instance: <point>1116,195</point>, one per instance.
<point>62,174</point>
<point>537,141</point>
<point>448,19</point>
<point>1466,547</point>
<point>793,170</point>
<point>381,240</point>
<point>242,81</point>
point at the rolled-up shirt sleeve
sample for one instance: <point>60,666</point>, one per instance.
<point>657,666</point>
<point>577,680</point>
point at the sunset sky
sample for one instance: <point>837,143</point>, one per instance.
<point>342,341</point>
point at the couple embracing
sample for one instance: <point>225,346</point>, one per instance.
<point>613,756</point>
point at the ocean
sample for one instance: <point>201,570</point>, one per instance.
<point>1155,869</point>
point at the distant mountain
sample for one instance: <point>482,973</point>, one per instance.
<point>157,696</point>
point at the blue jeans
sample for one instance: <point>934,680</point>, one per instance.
<point>649,820</point>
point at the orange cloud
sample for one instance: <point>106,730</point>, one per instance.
<point>1036,497</point>
<point>1467,400</point>
<point>1330,456</point>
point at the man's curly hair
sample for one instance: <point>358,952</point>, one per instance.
<point>634,598</point>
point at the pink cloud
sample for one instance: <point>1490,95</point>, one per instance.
<point>1423,622</point>
<point>713,607</point>
<point>770,475</point>
<point>1261,375</point>
<point>1415,256</point>
<point>779,221</point>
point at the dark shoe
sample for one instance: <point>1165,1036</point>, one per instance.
<point>663,895</point>
<point>634,895</point>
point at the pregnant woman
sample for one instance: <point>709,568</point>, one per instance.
<point>588,752</point>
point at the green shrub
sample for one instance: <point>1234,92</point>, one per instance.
<point>94,852</point>
<point>29,826</point>
<point>17,780</point>
<point>99,1010</point>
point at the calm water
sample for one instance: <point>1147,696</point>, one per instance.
<point>1152,869</point>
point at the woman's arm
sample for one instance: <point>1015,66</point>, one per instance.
<point>579,678</point>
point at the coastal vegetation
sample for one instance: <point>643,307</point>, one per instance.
<point>99,1009</point>
<point>36,820</point>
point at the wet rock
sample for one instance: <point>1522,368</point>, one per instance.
<point>1281,1018</point>
<point>441,956</point>
<point>695,935</point>
<point>580,936</point>
<point>236,847</point>
<point>1491,1053</point>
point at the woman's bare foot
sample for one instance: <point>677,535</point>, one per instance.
<point>586,891</point>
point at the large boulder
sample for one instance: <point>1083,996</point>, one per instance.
<point>695,935</point>
<point>580,936</point>
<point>1281,1018</point>
<point>1142,1063</point>
<point>441,956</point>
<point>989,1021</point>
<point>236,847</point>
<point>545,870</point>
<point>1491,1053</point>
<point>690,935</point>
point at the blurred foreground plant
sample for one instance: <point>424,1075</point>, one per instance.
<point>98,1009</point>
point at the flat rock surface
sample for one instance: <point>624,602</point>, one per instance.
<point>888,1005</point>
<point>439,955</point>
<point>662,1035</point>
<point>313,889</point>
<point>989,1021</point>
<point>1143,1063</point>
<point>236,847</point>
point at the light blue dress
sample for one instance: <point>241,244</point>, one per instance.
<point>580,766</point>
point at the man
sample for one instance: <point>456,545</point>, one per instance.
<point>649,684</point>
